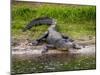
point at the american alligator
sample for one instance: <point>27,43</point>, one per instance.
<point>53,38</point>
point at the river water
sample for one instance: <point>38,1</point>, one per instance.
<point>29,62</point>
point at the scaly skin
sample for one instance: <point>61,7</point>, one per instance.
<point>53,38</point>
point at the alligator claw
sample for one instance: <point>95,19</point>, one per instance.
<point>34,43</point>
<point>45,49</point>
<point>76,46</point>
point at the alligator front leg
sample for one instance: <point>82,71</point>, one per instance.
<point>46,47</point>
<point>76,46</point>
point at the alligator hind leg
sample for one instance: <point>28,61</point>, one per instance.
<point>67,38</point>
<point>40,40</point>
<point>35,43</point>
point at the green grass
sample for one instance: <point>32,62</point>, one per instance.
<point>73,20</point>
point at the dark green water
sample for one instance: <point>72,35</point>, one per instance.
<point>53,63</point>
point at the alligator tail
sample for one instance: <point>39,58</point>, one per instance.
<point>40,21</point>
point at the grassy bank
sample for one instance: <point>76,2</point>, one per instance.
<point>73,20</point>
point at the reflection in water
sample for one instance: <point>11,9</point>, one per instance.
<point>52,63</point>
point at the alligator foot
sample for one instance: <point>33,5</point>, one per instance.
<point>45,49</point>
<point>34,43</point>
<point>76,46</point>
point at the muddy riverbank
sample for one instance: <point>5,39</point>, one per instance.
<point>28,59</point>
